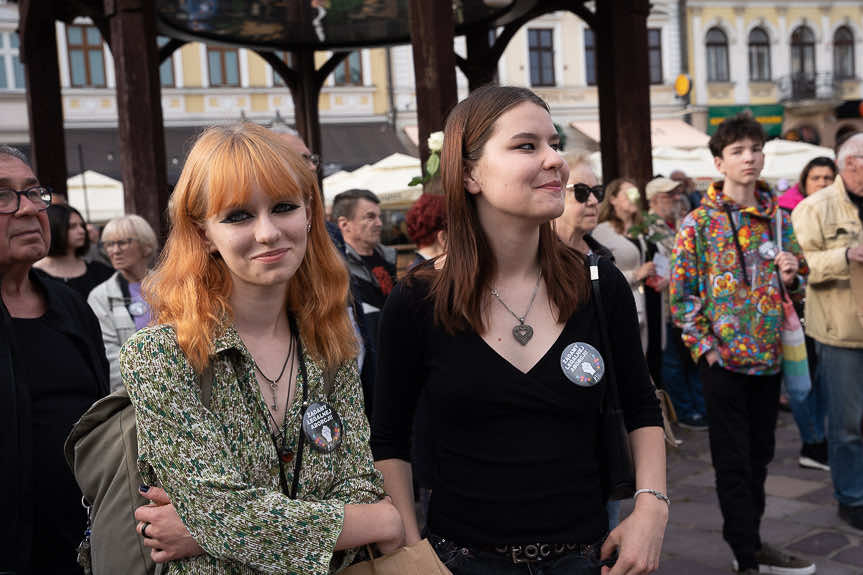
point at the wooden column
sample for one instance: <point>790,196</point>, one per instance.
<point>305,93</point>
<point>482,62</point>
<point>139,109</point>
<point>431,27</point>
<point>44,97</point>
<point>624,89</point>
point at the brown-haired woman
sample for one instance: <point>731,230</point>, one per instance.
<point>274,473</point>
<point>482,331</point>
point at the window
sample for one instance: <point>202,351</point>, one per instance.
<point>224,66</point>
<point>843,53</point>
<point>11,68</point>
<point>541,51</point>
<point>717,56</point>
<point>654,55</point>
<point>759,55</point>
<point>803,52</point>
<point>287,59</point>
<point>350,71</point>
<point>589,57</point>
<point>166,68</point>
<point>86,57</point>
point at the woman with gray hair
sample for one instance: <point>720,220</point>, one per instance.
<point>118,303</point>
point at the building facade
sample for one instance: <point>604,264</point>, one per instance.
<point>798,64</point>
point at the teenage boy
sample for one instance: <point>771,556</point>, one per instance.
<point>726,298</point>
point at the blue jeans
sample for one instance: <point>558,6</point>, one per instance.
<point>680,377</point>
<point>810,414</point>
<point>839,373</point>
<point>613,510</point>
<point>466,561</point>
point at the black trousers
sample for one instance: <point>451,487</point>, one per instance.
<point>742,411</point>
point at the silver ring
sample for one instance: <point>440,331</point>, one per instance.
<point>144,530</point>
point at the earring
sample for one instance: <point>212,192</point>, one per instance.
<point>308,227</point>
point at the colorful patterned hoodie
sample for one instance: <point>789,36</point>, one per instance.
<point>710,299</point>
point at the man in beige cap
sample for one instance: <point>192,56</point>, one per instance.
<point>829,227</point>
<point>679,372</point>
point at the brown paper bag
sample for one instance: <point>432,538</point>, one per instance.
<point>416,559</point>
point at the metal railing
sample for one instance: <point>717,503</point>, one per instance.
<point>796,87</point>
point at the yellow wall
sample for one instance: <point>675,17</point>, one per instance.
<point>257,70</point>
<point>378,73</point>
<point>190,54</point>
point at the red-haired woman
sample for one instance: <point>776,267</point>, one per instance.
<point>516,484</point>
<point>274,474</point>
<point>426,222</point>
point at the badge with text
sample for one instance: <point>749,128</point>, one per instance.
<point>582,364</point>
<point>768,250</point>
<point>323,427</point>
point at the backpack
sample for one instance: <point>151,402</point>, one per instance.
<point>102,451</point>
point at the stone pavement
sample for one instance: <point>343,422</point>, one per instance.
<point>801,514</point>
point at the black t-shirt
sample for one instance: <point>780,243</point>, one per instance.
<point>95,274</point>
<point>375,293</point>
<point>514,454</point>
<point>60,390</point>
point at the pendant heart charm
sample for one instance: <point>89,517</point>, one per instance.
<point>522,333</point>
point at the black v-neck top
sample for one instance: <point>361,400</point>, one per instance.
<point>514,455</point>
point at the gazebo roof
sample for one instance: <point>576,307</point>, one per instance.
<point>317,24</point>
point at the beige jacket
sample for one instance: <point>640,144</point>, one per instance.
<point>826,224</point>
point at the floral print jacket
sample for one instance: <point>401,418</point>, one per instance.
<point>219,464</point>
<point>710,298</point>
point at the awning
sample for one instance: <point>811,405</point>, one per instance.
<point>664,132</point>
<point>769,116</point>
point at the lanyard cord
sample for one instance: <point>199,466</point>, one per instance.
<point>737,245</point>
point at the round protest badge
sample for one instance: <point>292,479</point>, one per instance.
<point>582,364</point>
<point>138,308</point>
<point>323,427</point>
<point>768,250</point>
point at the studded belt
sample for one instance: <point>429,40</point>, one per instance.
<point>537,552</point>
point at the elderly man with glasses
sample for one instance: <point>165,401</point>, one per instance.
<point>40,400</point>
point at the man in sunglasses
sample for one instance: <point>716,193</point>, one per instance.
<point>40,319</point>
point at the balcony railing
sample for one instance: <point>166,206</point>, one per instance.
<point>796,87</point>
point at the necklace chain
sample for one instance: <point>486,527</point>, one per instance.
<point>521,319</point>
<point>274,383</point>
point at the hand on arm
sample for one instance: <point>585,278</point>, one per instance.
<point>372,523</point>
<point>167,537</point>
<point>638,538</point>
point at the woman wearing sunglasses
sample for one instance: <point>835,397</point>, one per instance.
<point>581,207</point>
<point>483,335</point>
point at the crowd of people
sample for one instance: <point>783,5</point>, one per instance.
<point>341,391</point>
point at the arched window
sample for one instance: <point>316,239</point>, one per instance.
<point>759,55</point>
<point>717,55</point>
<point>843,53</point>
<point>803,52</point>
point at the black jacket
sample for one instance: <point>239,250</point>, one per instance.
<point>70,315</point>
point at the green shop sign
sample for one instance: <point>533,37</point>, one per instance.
<point>770,116</point>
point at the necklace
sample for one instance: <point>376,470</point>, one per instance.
<point>274,383</point>
<point>522,332</point>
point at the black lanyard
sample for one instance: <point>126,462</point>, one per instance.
<point>298,458</point>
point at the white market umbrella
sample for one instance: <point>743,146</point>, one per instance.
<point>103,199</point>
<point>387,178</point>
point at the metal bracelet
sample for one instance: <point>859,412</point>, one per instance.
<point>658,494</point>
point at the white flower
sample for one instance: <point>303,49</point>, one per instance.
<point>435,141</point>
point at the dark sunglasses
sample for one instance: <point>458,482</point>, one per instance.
<point>583,191</point>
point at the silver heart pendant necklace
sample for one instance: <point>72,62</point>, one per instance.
<point>521,332</point>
